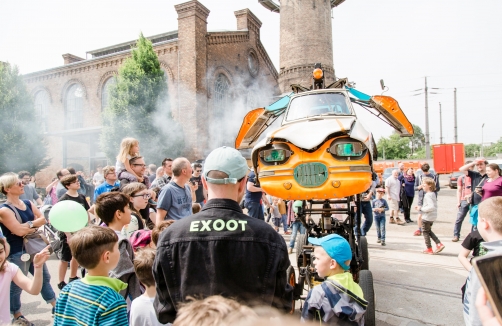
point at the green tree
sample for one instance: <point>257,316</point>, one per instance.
<point>139,108</point>
<point>22,144</point>
<point>471,150</point>
<point>418,138</point>
<point>395,147</point>
<point>493,149</point>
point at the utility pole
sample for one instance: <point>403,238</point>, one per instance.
<point>427,142</point>
<point>455,115</point>
<point>440,125</point>
<point>481,151</point>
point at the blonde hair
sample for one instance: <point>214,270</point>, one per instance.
<point>7,180</point>
<point>211,311</point>
<point>130,190</point>
<point>430,182</point>
<point>125,148</point>
<point>491,209</point>
<point>107,169</point>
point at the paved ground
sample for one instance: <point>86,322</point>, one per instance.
<point>411,288</point>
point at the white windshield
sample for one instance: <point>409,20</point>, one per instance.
<point>317,104</point>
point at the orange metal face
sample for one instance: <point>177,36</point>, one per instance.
<point>390,105</point>
<point>247,124</point>
<point>345,178</point>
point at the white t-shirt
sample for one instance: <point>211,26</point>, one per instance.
<point>142,312</point>
<point>393,186</point>
<point>5,280</point>
<point>119,166</point>
<point>98,177</point>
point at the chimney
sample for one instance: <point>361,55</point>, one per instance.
<point>70,58</point>
<point>247,20</point>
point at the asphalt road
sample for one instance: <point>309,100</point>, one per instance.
<point>411,288</point>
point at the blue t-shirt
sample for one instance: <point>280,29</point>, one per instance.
<point>104,187</point>
<point>176,201</point>
<point>252,197</point>
<point>379,203</point>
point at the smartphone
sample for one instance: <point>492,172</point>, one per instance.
<point>489,270</point>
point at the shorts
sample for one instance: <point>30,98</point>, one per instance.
<point>65,253</point>
<point>393,204</point>
<point>277,221</point>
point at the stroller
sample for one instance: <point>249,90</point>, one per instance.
<point>50,232</point>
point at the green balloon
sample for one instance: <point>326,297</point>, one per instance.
<point>68,216</point>
<point>296,205</point>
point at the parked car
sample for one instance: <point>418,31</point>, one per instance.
<point>452,179</point>
<point>387,173</point>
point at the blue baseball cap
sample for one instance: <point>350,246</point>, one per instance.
<point>336,246</point>
<point>227,160</point>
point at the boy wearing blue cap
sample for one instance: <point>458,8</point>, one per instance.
<point>338,298</point>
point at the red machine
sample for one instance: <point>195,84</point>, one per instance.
<point>448,158</point>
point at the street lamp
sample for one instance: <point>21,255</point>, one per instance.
<point>481,150</point>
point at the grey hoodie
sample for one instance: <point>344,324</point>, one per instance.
<point>471,316</point>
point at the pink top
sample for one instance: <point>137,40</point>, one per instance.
<point>491,189</point>
<point>5,280</point>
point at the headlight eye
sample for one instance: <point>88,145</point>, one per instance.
<point>278,154</point>
<point>346,149</point>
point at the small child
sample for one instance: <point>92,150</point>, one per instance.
<point>10,272</point>
<point>94,299</point>
<point>72,185</point>
<point>142,312</point>
<point>129,148</point>
<point>158,229</point>
<point>338,296</point>
<point>490,229</point>
<point>380,206</point>
<point>113,209</point>
<point>276,215</point>
<point>429,215</point>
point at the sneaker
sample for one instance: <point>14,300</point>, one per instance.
<point>21,320</point>
<point>428,251</point>
<point>399,221</point>
<point>61,285</point>
<point>383,243</point>
<point>378,241</point>
<point>455,239</point>
<point>71,279</point>
<point>439,248</point>
<point>391,221</point>
<point>290,251</point>
<point>417,233</point>
<point>52,311</point>
<point>287,232</point>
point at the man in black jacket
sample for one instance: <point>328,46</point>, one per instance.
<point>221,250</point>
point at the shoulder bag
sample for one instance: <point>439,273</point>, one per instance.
<point>33,243</point>
<point>468,198</point>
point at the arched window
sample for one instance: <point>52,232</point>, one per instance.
<point>221,95</point>
<point>42,103</point>
<point>105,92</point>
<point>74,107</point>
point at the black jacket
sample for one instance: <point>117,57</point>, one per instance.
<point>220,251</point>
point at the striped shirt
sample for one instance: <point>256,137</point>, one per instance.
<point>93,300</point>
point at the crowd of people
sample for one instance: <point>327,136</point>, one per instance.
<point>175,246</point>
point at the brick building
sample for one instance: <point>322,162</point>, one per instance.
<point>213,77</point>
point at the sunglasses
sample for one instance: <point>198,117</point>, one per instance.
<point>142,165</point>
<point>145,196</point>
<point>20,183</point>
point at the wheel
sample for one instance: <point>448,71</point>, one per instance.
<point>366,284</point>
<point>300,241</point>
<point>291,279</point>
<point>363,250</point>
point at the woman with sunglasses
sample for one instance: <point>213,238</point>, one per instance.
<point>14,232</point>
<point>139,196</point>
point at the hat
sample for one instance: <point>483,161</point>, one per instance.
<point>227,160</point>
<point>480,160</point>
<point>336,246</point>
<point>380,190</point>
<point>297,204</point>
<point>140,239</point>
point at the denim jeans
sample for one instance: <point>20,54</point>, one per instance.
<point>367,211</point>
<point>254,210</point>
<point>462,213</point>
<point>15,291</point>
<point>285,222</point>
<point>295,226</point>
<point>380,226</point>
